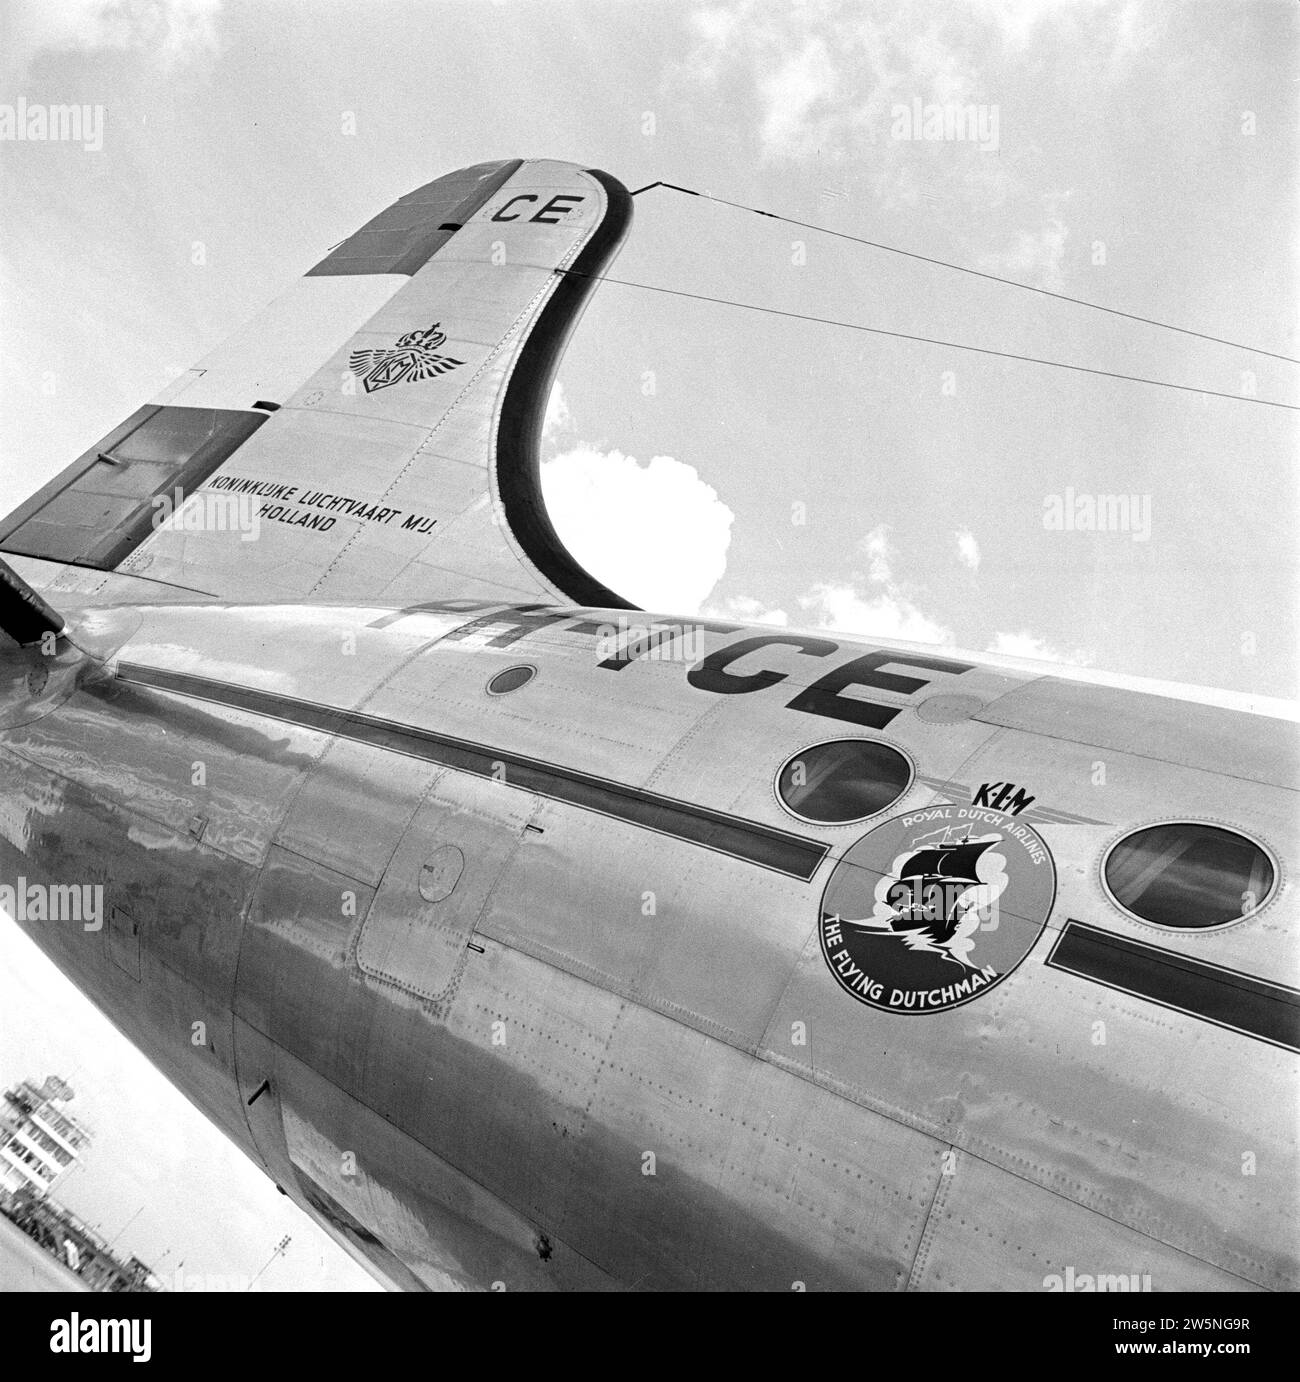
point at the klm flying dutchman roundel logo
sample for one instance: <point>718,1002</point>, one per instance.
<point>936,907</point>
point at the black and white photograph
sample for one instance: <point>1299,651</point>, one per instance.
<point>649,646</point>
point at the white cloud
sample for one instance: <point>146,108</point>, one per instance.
<point>871,602</point>
<point>885,612</point>
<point>825,76</point>
<point>825,79</point>
<point>1017,18</point>
<point>968,550</point>
<point>797,98</point>
<point>1026,644</point>
<point>875,547</point>
<point>747,610</point>
<point>175,33</point>
<point>1137,29</point>
<point>558,416</point>
<point>887,615</point>
<point>655,533</point>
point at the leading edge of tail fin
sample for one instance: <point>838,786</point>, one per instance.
<point>374,434</point>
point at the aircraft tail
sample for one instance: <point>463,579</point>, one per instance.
<point>374,434</point>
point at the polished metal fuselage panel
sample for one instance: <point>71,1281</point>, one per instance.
<point>531,983</point>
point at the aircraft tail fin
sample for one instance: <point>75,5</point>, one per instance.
<point>372,435</point>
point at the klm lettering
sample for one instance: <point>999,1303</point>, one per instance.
<point>1002,796</point>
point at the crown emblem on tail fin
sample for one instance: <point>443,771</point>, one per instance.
<point>412,358</point>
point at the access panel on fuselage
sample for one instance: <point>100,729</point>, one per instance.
<point>464,833</point>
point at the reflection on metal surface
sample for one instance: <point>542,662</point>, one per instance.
<point>122,938</point>
<point>760,844</point>
<point>419,941</point>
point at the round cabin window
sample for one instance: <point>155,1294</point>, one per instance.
<point>1188,876</point>
<point>511,680</point>
<point>842,782</point>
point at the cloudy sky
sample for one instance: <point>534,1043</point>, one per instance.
<point>702,456</point>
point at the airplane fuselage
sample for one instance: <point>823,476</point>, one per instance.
<point>534,981</point>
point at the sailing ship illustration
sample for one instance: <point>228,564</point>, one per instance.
<point>927,904</point>
<point>931,884</point>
